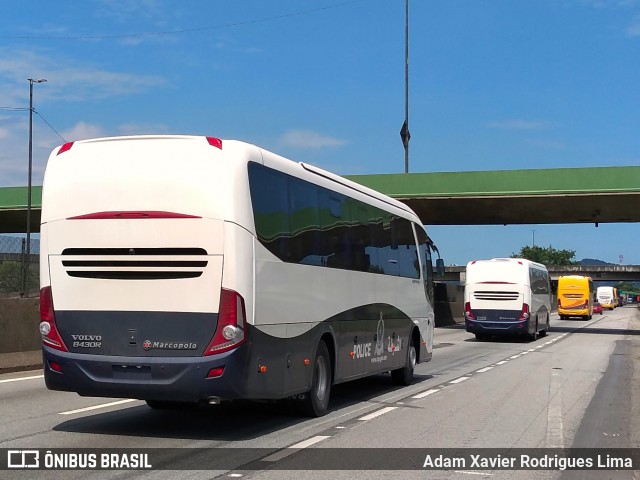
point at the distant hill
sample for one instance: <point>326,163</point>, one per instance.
<point>593,261</point>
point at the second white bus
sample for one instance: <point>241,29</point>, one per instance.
<point>183,269</point>
<point>507,296</point>
<point>606,296</point>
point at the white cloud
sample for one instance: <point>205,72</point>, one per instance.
<point>518,125</point>
<point>310,139</point>
<point>82,131</point>
<point>65,80</point>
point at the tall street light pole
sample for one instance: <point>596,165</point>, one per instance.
<point>404,132</point>
<point>31,82</point>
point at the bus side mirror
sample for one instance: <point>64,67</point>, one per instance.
<point>440,267</point>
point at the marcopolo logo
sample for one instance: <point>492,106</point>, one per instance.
<point>171,345</point>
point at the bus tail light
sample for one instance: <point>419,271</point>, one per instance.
<point>468,314</point>
<point>215,372</point>
<point>48,329</point>
<point>55,366</point>
<point>215,142</point>
<point>524,314</point>
<point>230,332</point>
<point>65,148</point>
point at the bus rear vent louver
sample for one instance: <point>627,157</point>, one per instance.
<point>134,263</point>
<point>481,295</point>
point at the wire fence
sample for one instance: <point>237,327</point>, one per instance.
<point>19,272</point>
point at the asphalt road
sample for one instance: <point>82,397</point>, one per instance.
<point>577,387</point>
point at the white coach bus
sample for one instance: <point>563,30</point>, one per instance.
<point>507,296</point>
<point>606,296</point>
<point>183,269</point>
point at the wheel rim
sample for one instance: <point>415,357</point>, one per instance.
<point>412,357</point>
<point>321,379</point>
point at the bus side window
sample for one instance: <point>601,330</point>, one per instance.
<point>425,260</point>
<point>407,252</point>
<point>270,202</point>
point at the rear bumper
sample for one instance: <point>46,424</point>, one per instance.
<point>181,379</point>
<point>573,312</point>
<point>497,328</point>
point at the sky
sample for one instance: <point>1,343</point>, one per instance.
<point>493,85</point>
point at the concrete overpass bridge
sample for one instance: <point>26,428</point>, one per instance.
<point>502,197</point>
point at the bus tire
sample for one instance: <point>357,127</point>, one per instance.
<point>403,376</point>
<point>316,401</point>
<point>543,333</point>
<point>534,336</point>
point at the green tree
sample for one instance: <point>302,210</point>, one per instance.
<point>628,287</point>
<point>546,255</point>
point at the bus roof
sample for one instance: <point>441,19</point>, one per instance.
<point>105,172</point>
<point>501,270</point>
<point>512,261</point>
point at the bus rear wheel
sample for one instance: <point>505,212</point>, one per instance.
<point>534,336</point>
<point>543,333</point>
<point>403,376</point>
<point>316,401</point>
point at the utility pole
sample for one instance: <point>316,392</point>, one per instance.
<point>25,273</point>
<point>404,132</point>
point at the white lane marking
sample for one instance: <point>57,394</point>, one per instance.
<point>501,362</point>
<point>96,407</point>
<point>377,414</point>
<point>285,452</point>
<point>310,441</point>
<point>21,378</point>
<point>426,393</point>
<point>555,428</point>
<point>514,357</point>
<point>485,369</point>
<point>461,379</point>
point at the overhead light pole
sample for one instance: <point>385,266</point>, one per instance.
<point>28,249</point>
<point>404,132</point>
